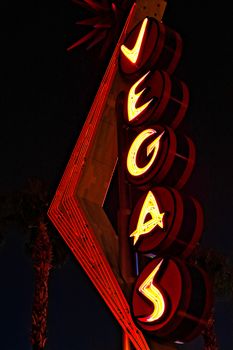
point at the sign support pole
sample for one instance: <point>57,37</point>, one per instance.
<point>126,342</point>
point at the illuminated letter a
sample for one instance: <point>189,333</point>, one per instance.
<point>150,207</point>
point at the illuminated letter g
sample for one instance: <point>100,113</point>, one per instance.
<point>132,166</point>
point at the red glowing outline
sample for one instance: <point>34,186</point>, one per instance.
<point>68,212</point>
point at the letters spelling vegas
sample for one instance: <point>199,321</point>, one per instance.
<point>169,291</point>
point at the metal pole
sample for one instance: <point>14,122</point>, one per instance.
<point>125,253</point>
<point>126,345</point>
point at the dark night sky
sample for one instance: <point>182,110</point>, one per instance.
<point>46,96</point>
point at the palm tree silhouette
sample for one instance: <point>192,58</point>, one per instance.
<point>27,208</point>
<point>220,271</point>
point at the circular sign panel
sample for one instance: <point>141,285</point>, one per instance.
<point>157,155</point>
<point>149,44</point>
<point>172,300</point>
<point>155,96</point>
<point>165,222</point>
<point>158,293</point>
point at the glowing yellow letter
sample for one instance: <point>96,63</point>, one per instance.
<point>132,110</point>
<point>152,293</point>
<point>150,206</point>
<point>132,167</point>
<point>132,54</point>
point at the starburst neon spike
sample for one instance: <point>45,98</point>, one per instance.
<point>150,206</point>
<point>132,54</point>
<point>132,166</point>
<point>153,294</point>
<point>132,110</point>
<point>105,24</point>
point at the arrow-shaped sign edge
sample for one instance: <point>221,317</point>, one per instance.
<point>68,214</point>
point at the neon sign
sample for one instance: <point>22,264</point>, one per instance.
<point>77,209</point>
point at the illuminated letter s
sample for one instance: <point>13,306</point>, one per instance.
<point>153,294</point>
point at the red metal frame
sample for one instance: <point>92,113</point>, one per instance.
<point>69,214</point>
